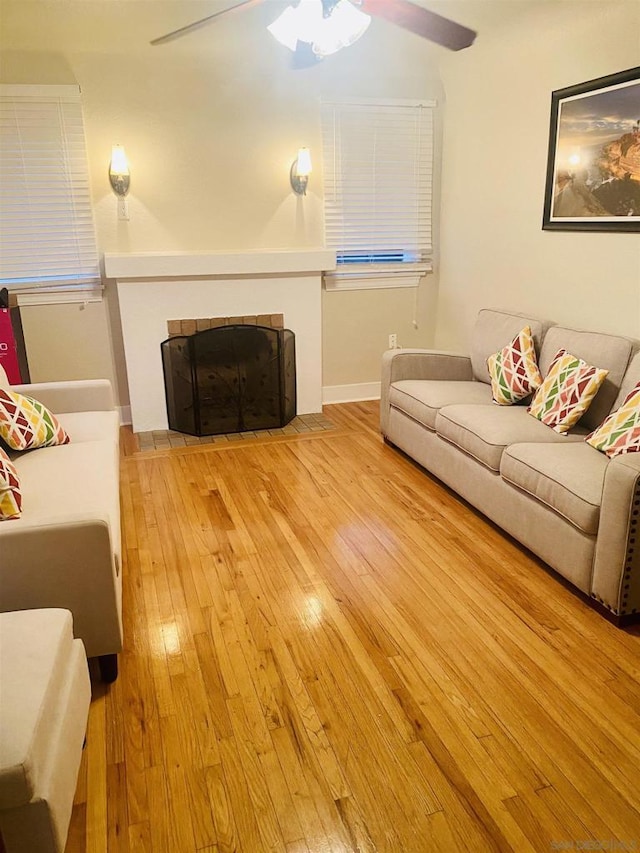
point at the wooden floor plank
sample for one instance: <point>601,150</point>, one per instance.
<point>326,651</point>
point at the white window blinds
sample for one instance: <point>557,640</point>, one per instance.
<point>47,236</point>
<point>378,174</point>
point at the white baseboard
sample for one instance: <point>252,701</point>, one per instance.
<point>351,393</point>
<point>125,415</point>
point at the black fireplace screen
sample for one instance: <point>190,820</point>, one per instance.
<point>230,379</point>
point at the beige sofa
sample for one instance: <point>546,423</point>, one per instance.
<point>64,550</point>
<point>575,508</point>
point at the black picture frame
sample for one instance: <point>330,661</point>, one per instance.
<point>593,165</point>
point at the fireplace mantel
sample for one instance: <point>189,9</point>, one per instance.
<point>154,287</point>
<point>155,265</point>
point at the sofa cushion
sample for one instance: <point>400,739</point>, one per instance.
<point>10,493</point>
<point>492,330</point>
<point>620,432</point>
<point>91,426</point>
<point>484,431</point>
<point>71,481</point>
<point>610,352</point>
<point>567,478</point>
<point>34,649</point>
<point>26,424</point>
<point>567,392</point>
<point>631,378</point>
<point>514,370</point>
<point>422,399</point>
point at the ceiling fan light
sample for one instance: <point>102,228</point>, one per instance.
<point>297,23</point>
<point>284,28</point>
<point>344,26</point>
<point>306,23</point>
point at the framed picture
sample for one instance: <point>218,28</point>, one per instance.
<point>593,170</point>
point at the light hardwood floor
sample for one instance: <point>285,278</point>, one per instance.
<point>325,650</point>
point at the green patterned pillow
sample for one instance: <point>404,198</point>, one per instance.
<point>10,494</point>
<point>26,424</point>
<point>620,432</point>
<point>567,392</point>
<point>514,370</point>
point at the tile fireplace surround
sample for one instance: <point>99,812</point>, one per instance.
<point>156,287</point>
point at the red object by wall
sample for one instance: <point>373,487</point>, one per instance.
<point>8,348</point>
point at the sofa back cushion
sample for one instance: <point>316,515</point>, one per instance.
<point>631,377</point>
<point>610,352</point>
<point>493,330</point>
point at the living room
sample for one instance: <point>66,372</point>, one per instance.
<point>211,123</point>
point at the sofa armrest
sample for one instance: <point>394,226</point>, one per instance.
<point>616,569</point>
<point>80,395</point>
<point>68,564</point>
<point>400,364</point>
<point>425,364</point>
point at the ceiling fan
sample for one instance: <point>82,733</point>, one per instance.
<point>313,29</point>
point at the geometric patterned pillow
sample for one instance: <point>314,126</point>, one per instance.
<point>567,392</point>
<point>514,370</point>
<point>620,432</point>
<point>10,494</point>
<point>25,423</point>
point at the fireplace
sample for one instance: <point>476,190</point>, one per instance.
<point>152,287</point>
<point>233,378</point>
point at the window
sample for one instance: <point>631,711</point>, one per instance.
<point>47,237</point>
<point>378,172</point>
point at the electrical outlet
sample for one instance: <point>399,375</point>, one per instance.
<point>393,342</point>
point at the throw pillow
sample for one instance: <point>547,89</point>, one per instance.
<point>26,424</point>
<point>620,432</point>
<point>514,370</point>
<point>567,391</point>
<point>10,494</point>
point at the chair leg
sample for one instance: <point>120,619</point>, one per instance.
<point>108,668</point>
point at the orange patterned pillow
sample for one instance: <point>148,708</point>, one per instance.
<point>26,424</point>
<point>514,370</point>
<point>620,432</point>
<point>10,494</point>
<point>567,392</point>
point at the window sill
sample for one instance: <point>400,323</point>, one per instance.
<point>61,296</point>
<point>375,276</point>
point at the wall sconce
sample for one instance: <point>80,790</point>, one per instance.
<point>119,175</point>
<point>300,171</point>
<point>120,178</point>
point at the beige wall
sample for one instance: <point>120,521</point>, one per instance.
<point>211,123</point>
<point>356,329</point>
<point>494,252</point>
<point>70,341</point>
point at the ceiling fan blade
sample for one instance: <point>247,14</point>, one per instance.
<point>203,21</point>
<point>421,21</point>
